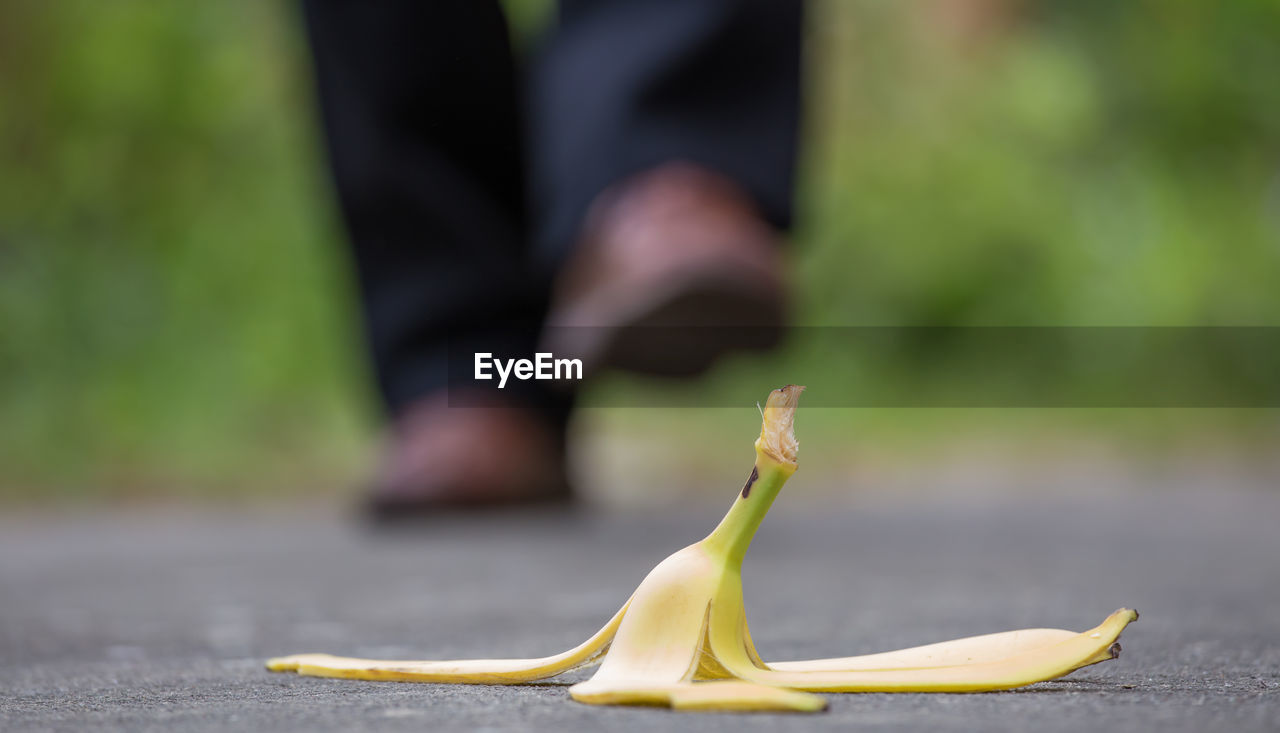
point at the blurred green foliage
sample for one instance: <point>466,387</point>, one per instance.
<point>176,307</point>
<point>1084,163</point>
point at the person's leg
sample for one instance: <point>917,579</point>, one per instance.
<point>421,113</point>
<point>421,110</point>
<point>626,88</point>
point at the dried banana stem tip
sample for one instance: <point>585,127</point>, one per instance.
<point>777,434</point>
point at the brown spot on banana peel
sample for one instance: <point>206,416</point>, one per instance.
<point>746,488</point>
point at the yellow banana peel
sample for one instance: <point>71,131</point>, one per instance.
<point>682,639</point>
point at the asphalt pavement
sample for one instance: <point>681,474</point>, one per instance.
<point>161,621</point>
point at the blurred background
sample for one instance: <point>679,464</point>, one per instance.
<point>177,313</point>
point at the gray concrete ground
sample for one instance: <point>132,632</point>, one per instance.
<point>162,622</point>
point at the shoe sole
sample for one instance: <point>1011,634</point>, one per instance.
<point>382,512</point>
<point>681,330</point>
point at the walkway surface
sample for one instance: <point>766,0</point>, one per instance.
<point>161,622</point>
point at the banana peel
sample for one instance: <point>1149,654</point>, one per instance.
<point>682,639</point>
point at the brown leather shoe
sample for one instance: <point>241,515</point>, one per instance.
<point>440,458</point>
<point>674,268</point>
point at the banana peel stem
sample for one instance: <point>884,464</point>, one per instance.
<point>682,639</point>
<point>777,451</point>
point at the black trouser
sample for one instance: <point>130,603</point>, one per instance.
<point>463,182</point>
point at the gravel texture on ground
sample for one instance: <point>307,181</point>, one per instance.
<point>162,621</point>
